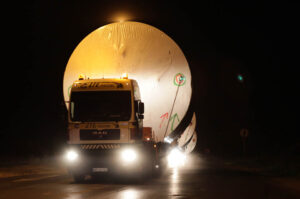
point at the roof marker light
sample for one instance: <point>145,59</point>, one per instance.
<point>81,77</point>
<point>125,76</point>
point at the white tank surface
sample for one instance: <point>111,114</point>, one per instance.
<point>190,146</point>
<point>149,56</point>
<point>188,132</point>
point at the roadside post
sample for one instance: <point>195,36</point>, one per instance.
<point>244,133</point>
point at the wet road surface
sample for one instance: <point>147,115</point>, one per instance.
<point>199,180</point>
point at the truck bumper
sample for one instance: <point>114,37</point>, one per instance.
<point>109,161</point>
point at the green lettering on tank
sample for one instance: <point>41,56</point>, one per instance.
<point>173,118</point>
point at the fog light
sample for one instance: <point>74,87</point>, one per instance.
<point>129,155</point>
<point>71,156</point>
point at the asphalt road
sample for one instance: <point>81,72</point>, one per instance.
<point>198,180</point>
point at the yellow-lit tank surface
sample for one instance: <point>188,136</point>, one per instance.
<point>147,55</point>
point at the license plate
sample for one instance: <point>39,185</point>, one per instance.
<point>100,169</point>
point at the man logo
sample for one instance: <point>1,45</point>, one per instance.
<point>99,132</point>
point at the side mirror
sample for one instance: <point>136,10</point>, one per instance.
<point>141,108</point>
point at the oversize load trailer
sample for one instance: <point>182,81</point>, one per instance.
<point>108,127</point>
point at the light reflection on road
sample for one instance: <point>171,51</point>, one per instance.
<point>78,191</point>
<point>74,196</point>
<point>170,184</point>
<point>129,194</point>
<point>174,182</point>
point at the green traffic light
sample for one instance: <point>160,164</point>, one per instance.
<point>240,78</point>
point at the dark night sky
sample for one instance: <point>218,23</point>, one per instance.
<point>219,39</point>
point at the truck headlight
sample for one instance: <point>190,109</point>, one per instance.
<point>128,155</point>
<point>176,158</point>
<point>71,155</point>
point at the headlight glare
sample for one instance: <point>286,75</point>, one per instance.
<point>71,156</point>
<point>176,158</point>
<point>128,155</point>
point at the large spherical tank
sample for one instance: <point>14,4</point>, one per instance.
<point>149,56</point>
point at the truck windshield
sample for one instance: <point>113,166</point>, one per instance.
<point>99,106</point>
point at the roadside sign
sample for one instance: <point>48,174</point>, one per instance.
<point>244,134</point>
